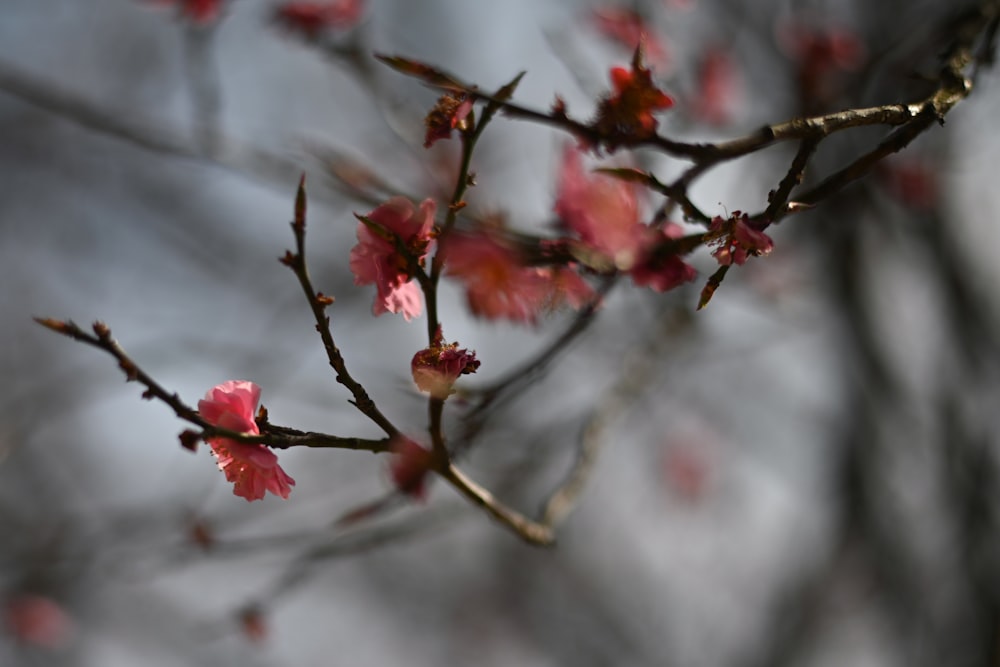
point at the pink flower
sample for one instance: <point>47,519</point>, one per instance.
<point>659,270</point>
<point>822,55</point>
<point>377,257</point>
<point>409,466</point>
<point>252,468</point>
<point>601,210</point>
<point>629,29</point>
<point>35,619</point>
<point>912,182</point>
<point>310,19</point>
<point>737,240</point>
<point>718,87</point>
<point>436,368</point>
<point>499,285</point>
<point>604,213</point>
<point>201,12</point>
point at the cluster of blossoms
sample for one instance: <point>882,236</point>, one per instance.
<point>504,276</point>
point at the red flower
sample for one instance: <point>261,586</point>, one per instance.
<point>737,240</point>
<point>629,29</point>
<point>436,368</point>
<point>659,270</point>
<point>627,115</point>
<point>822,55</point>
<point>201,12</point>
<point>718,88</point>
<point>499,285</point>
<point>377,257</point>
<point>310,19</point>
<point>252,468</point>
<point>409,466</point>
<point>38,620</point>
<point>603,211</point>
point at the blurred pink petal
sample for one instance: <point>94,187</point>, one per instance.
<point>38,620</point>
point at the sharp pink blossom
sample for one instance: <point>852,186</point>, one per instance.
<point>436,368</point>
<point>737,240</point>
<point>377,258</point>
<point>252,468</point>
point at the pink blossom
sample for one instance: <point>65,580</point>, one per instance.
<point>822,55</point>
<point>409,466</point>
<point>912,182</point>
<point>687,468</point>
<point>718,87</point>
<point>252,468</point>
<point>601,210</point>
<point>604,213</point>
<point>201,12</point>
<point>310,19</point>
<point>629,29</point>
<point>38,620</point>
<point>737,240</point>
<point>499,285</point>
<point>377,257</point>
<point>662,271</point>
<point>436,368</point>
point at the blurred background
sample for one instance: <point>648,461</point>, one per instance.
<point>803,473</point>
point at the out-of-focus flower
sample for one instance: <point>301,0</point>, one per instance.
<point>37,620</point>
<point>601,210</point>
<point>409,466</point>
<point>252,468</point>
<point>378,259</point>
<point>436,368</point>
<point>736,240</point>
<point>627,114</point>
<point>448,114</point>
<point>253,623</point>
<point>718,87</point>
<point>311,19</point>
<point>821,55</point>
<point>662,271</point>
<point>687,469</point>
<point>631,30</point>
<point>912,182</point>
<point>200,12</point>
<point>498,284</point>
